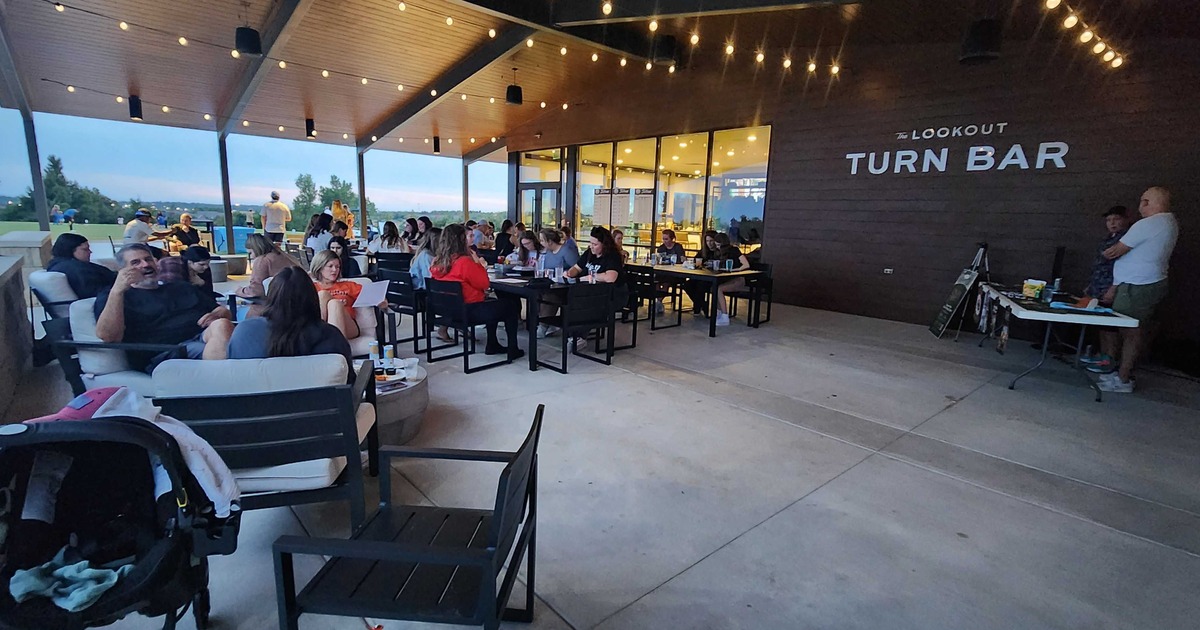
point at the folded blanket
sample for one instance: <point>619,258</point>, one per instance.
<point>72,587</point>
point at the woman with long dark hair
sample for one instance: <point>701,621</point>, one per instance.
<point>291,324</point>
<point>602,262</point>
<point>198,261</point>
<point>340,246</point>
<point>455,262</point>
<point>528,251</point>
<point>73,258</point>
<point>409,235</point>
<point>506,240</point>
<point>319,233</point>
<point>390,242</point>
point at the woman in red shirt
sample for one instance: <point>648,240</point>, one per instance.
<point>337,296</point>
<point>455,262</point>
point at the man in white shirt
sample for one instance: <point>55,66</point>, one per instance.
<point>139,230</point>
<point>1140,278</point>
<point>275,217</point>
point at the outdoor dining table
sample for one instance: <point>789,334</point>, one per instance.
<point>1033,310</point>
<point>518,286</point>
<point>712,278</point>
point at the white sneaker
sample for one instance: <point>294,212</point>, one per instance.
<point>541,331</point>
<point>552,330</point>
<point>722,319</point>
<point>1113,383</point>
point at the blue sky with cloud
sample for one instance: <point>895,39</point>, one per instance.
<point>126,160</point>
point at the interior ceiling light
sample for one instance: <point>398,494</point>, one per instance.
<point>606,8</point>
<point>513,95</point>
<point>565,105</point>
<point>124,26</point>
<point>628,149</point>
<point>492,33</point>
<point>135,107</point>
<point>752,137</point>
<point>491,99</point>
<point>653,25</point>
<point>247,41</point>
<point>695,39</point>
<point>1071,21</point>
<point>675,157</point>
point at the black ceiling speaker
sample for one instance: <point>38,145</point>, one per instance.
<point>664,50</point>
<point>437,145</point>
<point>135,107</point>
<point>982,42</point>
<point>310,128</point>
<point>514,95</point>
<point>247,41</point>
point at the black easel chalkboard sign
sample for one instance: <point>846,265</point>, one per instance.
<point>958,294</point>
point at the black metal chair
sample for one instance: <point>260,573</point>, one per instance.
<point>276,428</point>
<point>490,256</point>
<point>404,298</point>
<point>426,563</point>
<point>445,306</point>
<point>395,261</point>
<point>757,288</point>
<point>588,308</point>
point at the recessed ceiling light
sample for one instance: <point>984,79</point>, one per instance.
<point>628,150</point>
<point>426,140</point>
<point>620,161</point>
<point>716,163</point>
<point>752,138</point>
<point>449,140</point>
<point>729,153</point>
<point>674,157</point>
<point>683,145</point>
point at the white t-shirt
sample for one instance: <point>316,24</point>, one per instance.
<point>275,215</point>
<point>137,231</point>
<point>1151,241</point>
<point>319,243</point>
<point>376,246</point>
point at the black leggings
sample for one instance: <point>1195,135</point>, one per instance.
<point>490,313</point>
<point>698,292</point>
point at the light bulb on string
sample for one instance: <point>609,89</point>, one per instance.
<point>671,69</point>
<point>595,57</point>
<point>787,62</point>
<point>728,49</point>
<point>433,92</point>
<point>529,43</point>
<point>1099,48</point>
<point>183,41</point>
<point>245,123</point>
<point>1116,63</point>
<point>623,62</point>
<point>402,7</point>
<point>695,39</point>
<point>399,87</point>
<point>325,74</point>
<point>235,54</point>
<point>812,66</point>
<point>653,25</point>
<point>1053,4</point>
<point>70,88</point>
<point>562,51</point>
<point>1108,56</point>
<point>345,136</point>
<point>208,117</point>
<point>492,33</point>
<point>1086,36</point>
<point>364,81</point>
<point>834,69</point>
<point>1071,21</point>
<point>121,99</point>
<point>760,57</point>
<point>493,138</point>
<point>282,65</point>
<point>124,26</point>
<point>449,21</point>
<point>59,7</point>
<point>606,8</point>
<point>166,110</point>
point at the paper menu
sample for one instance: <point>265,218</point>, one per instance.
<point>372,294</point>
<point>643,205</point>
<point>602,214</point>
<point>620,208</point>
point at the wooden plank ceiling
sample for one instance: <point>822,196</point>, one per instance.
<point>84,47</point>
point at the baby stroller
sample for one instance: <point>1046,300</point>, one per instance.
<point>113,492</point>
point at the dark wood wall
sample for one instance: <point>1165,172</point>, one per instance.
<point>831,234</point>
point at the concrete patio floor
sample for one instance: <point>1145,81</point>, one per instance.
<point>823,471</point>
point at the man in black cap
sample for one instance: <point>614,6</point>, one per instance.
<point>139,230</point>
<point>275,217</point>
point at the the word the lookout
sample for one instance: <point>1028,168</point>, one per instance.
<point>979,157</point>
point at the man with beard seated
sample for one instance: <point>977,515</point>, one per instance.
<point>138,309</point>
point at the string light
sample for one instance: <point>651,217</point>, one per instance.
<point>1116,63</point>
<point>121,99</point>
<point>564,105</point>
<point>760,57</point>
<point>623,62</point>
<point>401,140</point>
<point>492,99</point>
<point>433,92</point>
<point>595,57</point>
<point>492,33</point>
<point>695,38</point>
<point>1053,4</point>
<point>59,7</point>
<point>70,88</point>
<point>812,66</point>
<point>671,69</point>
<point>543,104</point>
<point>493,138</point>
<point>834,69</point>
<point>449,21</point>
<point>606,9</point>
<point>649,65</point>
<point>325,74</point>
<point>208,117</point>
<point>399,87</point>
<point>402,7</point>
<point>1098,48</point>
<point>529,43</point>
<point>1108,56</point>
<point>123,26</point>
<point>166,110</point>
<point>183,41</point>
<point>346,136</point>
<point>364,80</point>
<point>245,123</point>
<point>281,127</point>
<point>653,25</point>
<point>787,62</point>
<point>235,54</point>
<point>562,51</point>
<point>1071,21</point>
<point>374,138</point>
<point>282,65</point>
<point>464,97</point>
<point>728,49</point>
<point>472,140</point>
<point>1086,36</point>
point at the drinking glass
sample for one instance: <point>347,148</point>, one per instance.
<point>729,265</point>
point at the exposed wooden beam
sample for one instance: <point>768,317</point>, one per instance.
<point>506,41</point>
<point>282,23</point>
<point>620,39</point>
<point>14,85</point>
<point>569,14</point>
<point>484,150</point>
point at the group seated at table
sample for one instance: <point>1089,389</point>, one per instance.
<point>456,262</point>
<point>391,241</point>
<point>717,248</point>
<point>528,250</point>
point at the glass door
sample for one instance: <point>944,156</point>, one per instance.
<point>549,210</point>
<point>540,205</point>
<point>529,203</point>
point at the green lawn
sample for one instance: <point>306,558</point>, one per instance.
<point>93,232</point>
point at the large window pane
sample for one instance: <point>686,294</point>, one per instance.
<point>634,185</point>
<point>738,185</point>
<point>544,165</point>
<point>595,173</point>
<point>681,188</point>
<point>403,185</point>
<point>488,189</point>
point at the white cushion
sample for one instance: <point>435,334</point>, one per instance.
<point>136,380</point>
<point>309,475</point>
<point>83,328</point>
<point>177,378</point>
<point>53,286</point>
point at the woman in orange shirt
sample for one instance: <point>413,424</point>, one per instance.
<point>455,262</point>
<point>336,295</point>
